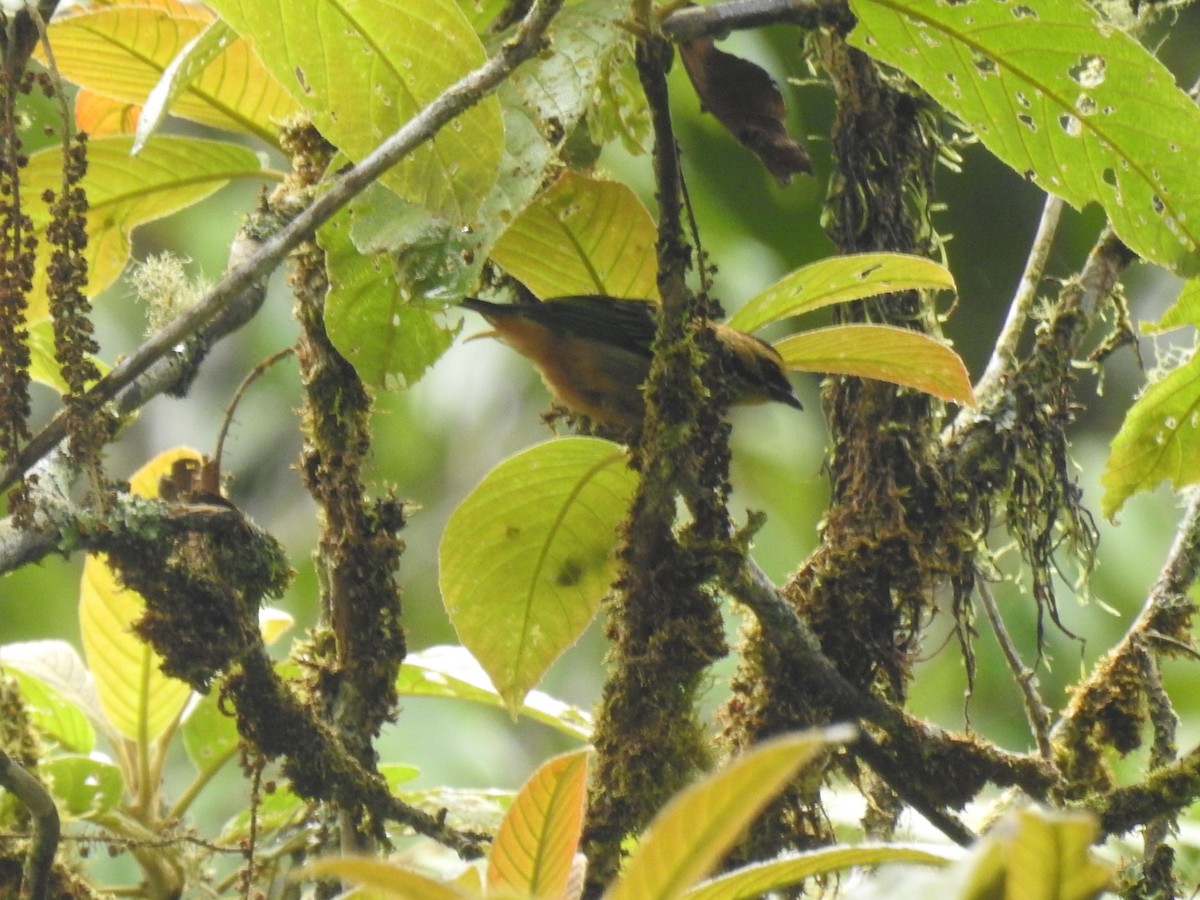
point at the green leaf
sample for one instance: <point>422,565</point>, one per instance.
<point>1160,438</point>
<point>373,321</point>
<point>837,280</point>
<point>1184,311</point>
<point>543,101</point>
<point>534,850</point>
<point>583,236</point>
<point>363,68</point>
<point>123,51</point>
<point>209,736</point>
<point>1062,97</point>
<point>123,193</point>
<point>897,355</point>
<point>85,786</point>
<point>780,874</point>
<point>452,672</point>
<point>697,828</point>
<point>527,557</point>
<point>55,685</point>
<point>138,699</point>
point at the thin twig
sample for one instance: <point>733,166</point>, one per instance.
<point>1005,352</point>
<point>254,374</point>
<point>422,127</point>
<point>1036,710</point>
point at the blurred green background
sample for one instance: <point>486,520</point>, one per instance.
<point>481,403</point>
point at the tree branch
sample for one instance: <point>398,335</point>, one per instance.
<point>717,20</point>
<point>422,127</point>
<point>36,876</point>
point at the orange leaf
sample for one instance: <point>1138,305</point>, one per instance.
<point>535,846</point>
<point>100,116</point>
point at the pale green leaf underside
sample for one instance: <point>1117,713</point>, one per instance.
<point>837,280</point>
<point>1159,439</point>
<point>583,236</point>
<point>196,55</point>
<point>55,690</point>
<point>1184,311</point>
<point>1063,98</point>
<point>383,879</point>
<point>526,558</point>
<point>778,874</point>
<point>695,830</point>
<point>363,68</point>
<point>897,355</point>
<point>452,672</point>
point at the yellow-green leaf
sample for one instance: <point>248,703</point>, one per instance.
<point>1184,311</point>
<point>1063,97</point>
<point>697,828</point>
<point>383,879</point>
<point>779,874</point>
<point>363,68</point>
<point>583,236</point>
<point>122,51</point>
<point>527,557</point>
<point>535,847</point>
<point>138,699</point>
<point>43,368</point>
<point>837,280</point>
<point>124,192</point>
<point>1039,855</point>
<point>897,355</point>
<point>1160,438</point>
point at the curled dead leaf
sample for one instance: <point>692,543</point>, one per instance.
<point>746,100</point>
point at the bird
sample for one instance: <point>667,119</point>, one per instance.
<point>593,353</point>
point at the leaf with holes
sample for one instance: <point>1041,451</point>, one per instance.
<point>583,236</point>
<point>1063,97</point>
<point>527,557</point>
<point>839,279</point>
<point>1159,439</point>
<point>364,68</point>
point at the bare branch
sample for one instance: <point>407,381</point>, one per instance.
<point>718,19</point>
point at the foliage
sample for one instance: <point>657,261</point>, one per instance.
<point>430,150</point>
